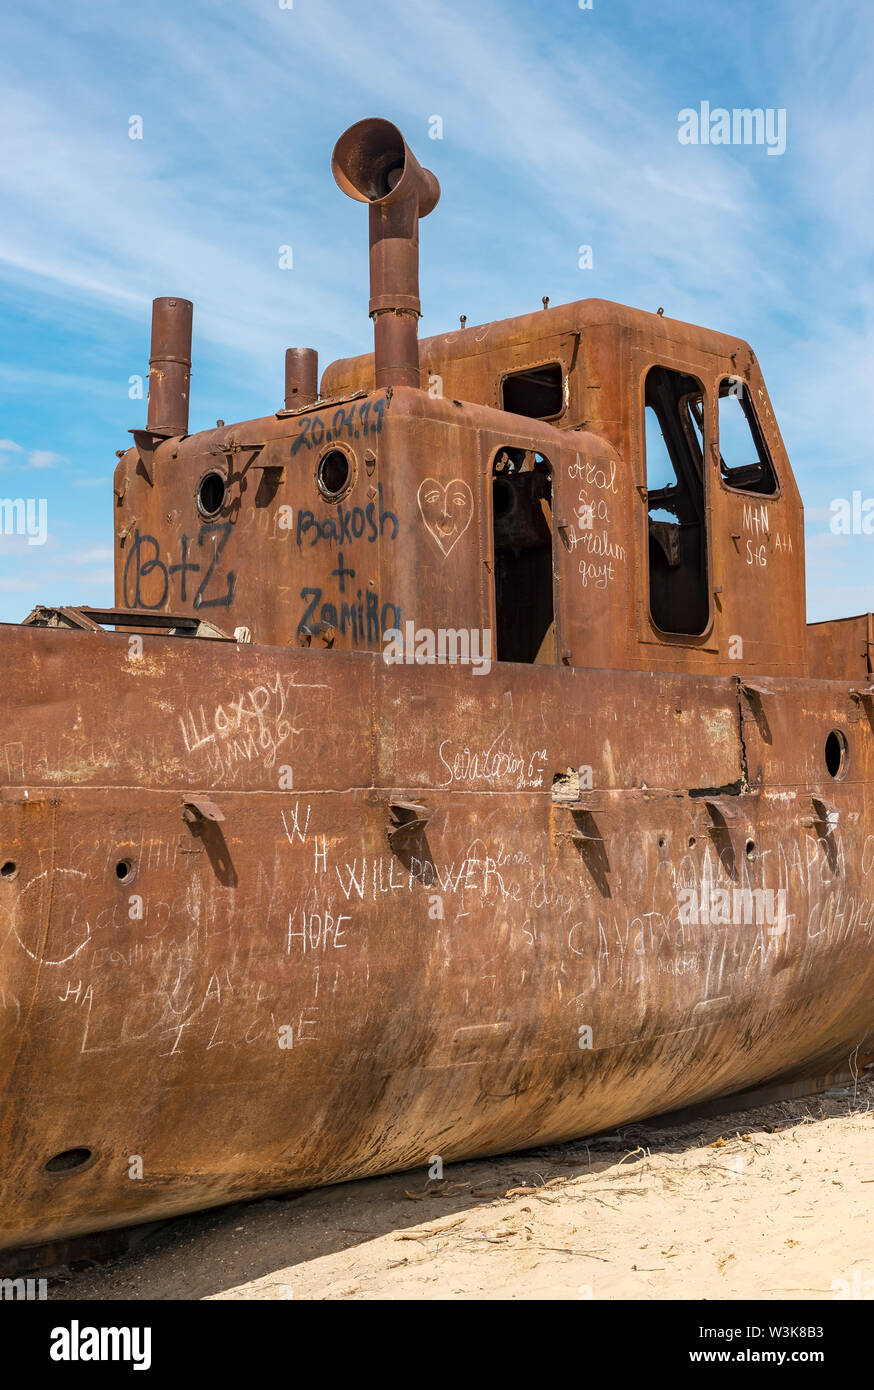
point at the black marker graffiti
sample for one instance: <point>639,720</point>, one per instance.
<point>354,423</point>
<point>362,615</point>
<point>348,524</point>
<point>144,561</point>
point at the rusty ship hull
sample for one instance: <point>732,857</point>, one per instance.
<point>310,997</point>
<point>277,911</point>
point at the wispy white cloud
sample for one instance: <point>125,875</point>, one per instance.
<point>92,556</point>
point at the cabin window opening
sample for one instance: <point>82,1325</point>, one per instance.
<point>744,461</point>
<point>538,392</point>
<point>523,561</point>
<point>679,596</point>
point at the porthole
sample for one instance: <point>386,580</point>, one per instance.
<point>68,1161</point>
<point>335,474</point>
<point>9,869</point>
<point>124,871</point>
<point>837,754</point>
<point>211,494</point>
<point>751,851</point>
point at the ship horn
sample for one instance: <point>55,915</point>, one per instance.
<point>373,164</point>
<point>170,366</point>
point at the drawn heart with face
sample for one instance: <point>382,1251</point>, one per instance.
<point>447,510</point>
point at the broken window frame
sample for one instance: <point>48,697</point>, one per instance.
<point>748,406</point>
<point>532,460</point>
<point>526,370</point>
<point>698,447</point>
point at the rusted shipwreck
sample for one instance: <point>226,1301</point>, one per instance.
<point>276,911</point>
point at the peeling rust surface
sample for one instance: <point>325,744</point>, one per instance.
<point>275,913</point>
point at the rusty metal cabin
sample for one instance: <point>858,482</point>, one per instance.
<point>336,516</point>
<point>669,547</point>
<point>596,485</point>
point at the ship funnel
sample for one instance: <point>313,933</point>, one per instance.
<point>170,366</point>
<point>373,164</point>
<point>301,377</point>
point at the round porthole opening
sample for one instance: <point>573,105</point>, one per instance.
<point>9,869</point>
<point>68,1161</point>
<point>837,754</point>
<point>211,494</point>
<point>124,870</point>
<point>334,474</point>
<point>751,850</point>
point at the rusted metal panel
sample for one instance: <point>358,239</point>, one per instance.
<point>298,912</point>
<point>842,648</point>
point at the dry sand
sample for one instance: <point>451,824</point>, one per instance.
<point>770,1203</point>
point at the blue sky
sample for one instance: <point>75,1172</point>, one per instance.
<point>559,129</point>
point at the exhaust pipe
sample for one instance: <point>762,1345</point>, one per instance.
<point>301,377</point>
<point>170,366</point>
<point>373,164</point>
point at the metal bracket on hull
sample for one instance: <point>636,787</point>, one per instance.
<point>585,829</point>
<point>755,688</point>
<point>199,809</point>
<point>408,819</point>
<point>721,808</point>
<point>825,818</point>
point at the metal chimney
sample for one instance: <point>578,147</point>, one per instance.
<point>170,366</point>
<point>301,377</point>
<point>373,164</point>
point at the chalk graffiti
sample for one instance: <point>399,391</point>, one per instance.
<point>250,728</point>
<point>447,510</point>
<point>499,763</point>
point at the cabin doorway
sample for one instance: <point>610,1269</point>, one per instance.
<point>523,565</point>
<point>679,593</point>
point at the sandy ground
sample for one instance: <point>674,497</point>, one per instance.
<point>770,1203</point>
